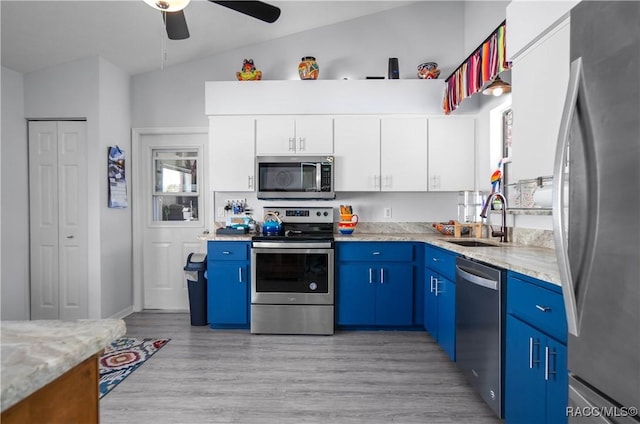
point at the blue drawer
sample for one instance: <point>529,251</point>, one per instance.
<point>373,251</point>
<point>538,305</point>
<point>228,251</point>
<point>441,261</point>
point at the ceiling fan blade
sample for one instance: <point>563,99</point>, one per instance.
<point>176,25</point>
<point>256,9</point>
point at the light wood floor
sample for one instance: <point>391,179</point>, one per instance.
<point>231,376</point>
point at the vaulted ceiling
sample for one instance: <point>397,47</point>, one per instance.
<point>130,34</point>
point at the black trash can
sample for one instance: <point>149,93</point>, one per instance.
<point>195,274</point>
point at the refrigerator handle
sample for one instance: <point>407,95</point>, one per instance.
<point>559,200</point>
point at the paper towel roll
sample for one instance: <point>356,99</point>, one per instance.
<point>542,197</point>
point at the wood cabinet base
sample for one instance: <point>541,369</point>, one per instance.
<point>71,398</point>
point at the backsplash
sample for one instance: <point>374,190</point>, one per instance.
<point>525,236</point>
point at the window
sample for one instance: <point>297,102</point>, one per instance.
<point>175,193</point>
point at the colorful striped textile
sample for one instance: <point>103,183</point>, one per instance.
<point>480,68</point>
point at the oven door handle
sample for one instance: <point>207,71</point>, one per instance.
<point>265,245</point>
<point>467,274</point>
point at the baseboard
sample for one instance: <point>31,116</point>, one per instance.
<point>123,313</point>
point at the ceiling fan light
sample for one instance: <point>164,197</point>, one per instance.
<point>497,88</point>
<point>168,5</point>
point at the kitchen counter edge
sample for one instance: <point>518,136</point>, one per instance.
<point>35,353</point>
<point>536,262</point>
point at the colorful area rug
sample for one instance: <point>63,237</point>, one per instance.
<point>122,357</point>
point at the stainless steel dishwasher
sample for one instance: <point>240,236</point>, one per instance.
<point>479,327</point>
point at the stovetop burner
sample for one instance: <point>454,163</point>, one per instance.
<point>300,224</point>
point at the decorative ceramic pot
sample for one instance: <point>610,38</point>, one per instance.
<point>308,68</point>
<point>248,71</point>
<point>428,70</point>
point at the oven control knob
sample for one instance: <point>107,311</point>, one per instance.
<point>313,286</point>
<point>326,213</point>
<point>318,213</point>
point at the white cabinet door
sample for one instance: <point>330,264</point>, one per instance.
<point>357,153</point>
<point>231,153</point>
<point>537,103</point>
<point>275,135</point>
<point>451,154</point>
<point>404,154</point>
<point>314,135</point>
<point>287,135</point>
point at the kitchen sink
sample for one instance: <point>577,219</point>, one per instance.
<point>472,243</point>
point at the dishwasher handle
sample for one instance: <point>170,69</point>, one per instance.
<point>468,275</point>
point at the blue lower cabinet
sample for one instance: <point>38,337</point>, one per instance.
<point>536,376</point>
<point>228,289</point>
<point>440,298</point>
<point>375,295</point>
<point>375,284</point>
<point>356,296</point>
<point>440,311</point>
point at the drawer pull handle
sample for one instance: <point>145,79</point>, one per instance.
<point>436,259</point>
<point>543,308</point>
<point>226,252</point>
<point>375,253</point>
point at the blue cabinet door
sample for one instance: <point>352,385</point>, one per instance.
<point>525,392</point>
<point>394,294</point>
<point>355,295</point>
<point>228,292</point>
<point>431,304</point>
<point>447,317</point>
<point>557,382</point>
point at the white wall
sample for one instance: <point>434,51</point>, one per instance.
<point>15,198</point>
<point>115,224</point>
<point>480,18</point>
<point>355,49</point>
<point>95,90</point>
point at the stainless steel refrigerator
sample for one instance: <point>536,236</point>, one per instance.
<point>596,211</point>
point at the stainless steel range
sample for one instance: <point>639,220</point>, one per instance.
<point>292,273</point>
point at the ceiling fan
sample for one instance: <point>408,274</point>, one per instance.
<point>176,24</point>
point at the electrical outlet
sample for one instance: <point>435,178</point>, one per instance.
<point>387,212</point>
<point>220,212</point>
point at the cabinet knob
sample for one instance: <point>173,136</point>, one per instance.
<point>543,308</point>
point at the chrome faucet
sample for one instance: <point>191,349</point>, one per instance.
<point>503,230</point>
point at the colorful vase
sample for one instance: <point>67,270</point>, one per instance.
<point>308,68</point>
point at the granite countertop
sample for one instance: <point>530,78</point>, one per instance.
<point>536,262</point>
<point>34,353</point>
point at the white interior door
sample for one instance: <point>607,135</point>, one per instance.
<point>172,214</point>
<point>58,220</point>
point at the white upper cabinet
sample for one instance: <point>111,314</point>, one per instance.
<point>451,154</point>
<point>232,153</point>
<point>403,154</point>
<point>294,135</point>
<point>537,104</point>
<point>357,153</point>
<point>528,21</point>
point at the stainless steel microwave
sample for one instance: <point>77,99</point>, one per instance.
<point>295,177</point>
